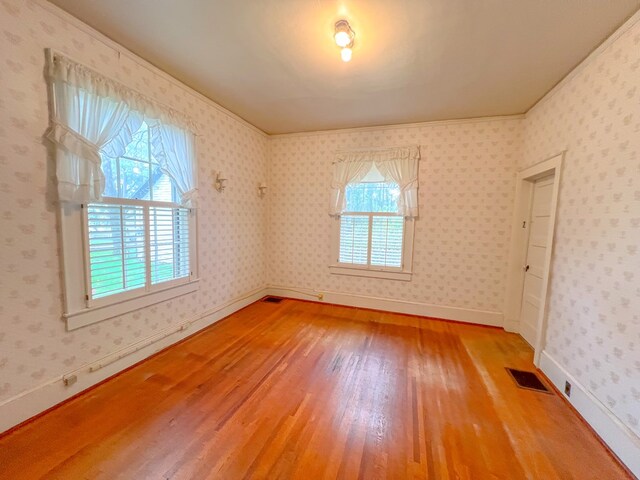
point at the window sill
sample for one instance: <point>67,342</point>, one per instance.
<point>367,272</point>
<point>88,316</point>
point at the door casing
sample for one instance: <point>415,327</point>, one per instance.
<point>518,249</point>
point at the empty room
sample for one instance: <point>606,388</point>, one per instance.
<point>320,239</point>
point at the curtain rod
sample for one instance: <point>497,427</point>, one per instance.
<point>373,149</point>
<point>376,149</point>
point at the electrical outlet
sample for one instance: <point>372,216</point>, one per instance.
<point>567,389</point>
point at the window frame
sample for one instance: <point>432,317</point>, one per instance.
<point>405,272</point>
<point>149,287</point>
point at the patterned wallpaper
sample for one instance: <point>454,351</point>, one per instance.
<point>34,346</point>
<point>594,313</point>
<point>466,194</point>
<point>466,198</point>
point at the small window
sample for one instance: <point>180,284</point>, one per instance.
<point>373,239</point>
<point>371,234</point>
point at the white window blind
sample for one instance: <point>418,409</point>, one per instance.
<point>116,249</point>
<point>386,241</point>
<point>169,243</point>
<point>121,260</point>
<point>354,239</point>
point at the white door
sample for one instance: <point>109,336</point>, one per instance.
<point>536,249</point>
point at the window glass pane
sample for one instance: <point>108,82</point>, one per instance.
<point>139,146</point>
<point>169,243</point>
<point>134,179</point>
<point>372,197</point>
<point>110,170</point>
<point>135,175</point>
<point>161,186</point>
<point>354,239</point>
<point>115,234</point>
<point>386,241</point>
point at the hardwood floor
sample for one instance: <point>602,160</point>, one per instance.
<point>312,391</point>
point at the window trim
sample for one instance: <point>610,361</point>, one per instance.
<point>91,315</point>
<point>76,310</point>
<point>404,273</point>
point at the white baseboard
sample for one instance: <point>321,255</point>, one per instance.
<point>479,317</point>
<point>25,405</point>
<point>620,439</point>
<point>511,325</point>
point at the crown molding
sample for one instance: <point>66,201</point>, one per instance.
<point>396,126</point>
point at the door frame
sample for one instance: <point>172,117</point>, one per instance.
<point>519,242</point>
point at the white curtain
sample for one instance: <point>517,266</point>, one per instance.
<point>83,125</point>
<point>399,165</point>
<point>174,149</point>
<point>65,70</point>
<point>96,117</point>
<point>345,173</point>
<point>404,172</point>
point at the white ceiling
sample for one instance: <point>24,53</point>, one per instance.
<point>274,62</point>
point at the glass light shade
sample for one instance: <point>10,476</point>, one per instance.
<point>342,38</point>
<point>345,53</point>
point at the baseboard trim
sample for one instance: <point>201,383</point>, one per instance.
<point>480,317</point>
<point>23,407</point>
<point>623,442</point>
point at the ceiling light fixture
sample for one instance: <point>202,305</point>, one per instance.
<point>344,36</point>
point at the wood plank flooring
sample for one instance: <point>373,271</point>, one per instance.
<point>310,391</point>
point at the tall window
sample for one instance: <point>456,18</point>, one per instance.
<point>138,234</point>
<point>374,201</point>
<point>126,174</point>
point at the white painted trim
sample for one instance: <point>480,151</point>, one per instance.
<point>480,317</point>
<point>91,315</point>
<point>395,126</point>
<point>27,404</point>
<point>122,51</point>
<point>370,272</point>
<point>590,58</point>
<point>519,240</point>
<point>620,439</point>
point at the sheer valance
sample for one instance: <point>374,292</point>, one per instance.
<point>64,70</point>
<point>95,117</point>
<point>398,165</point>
